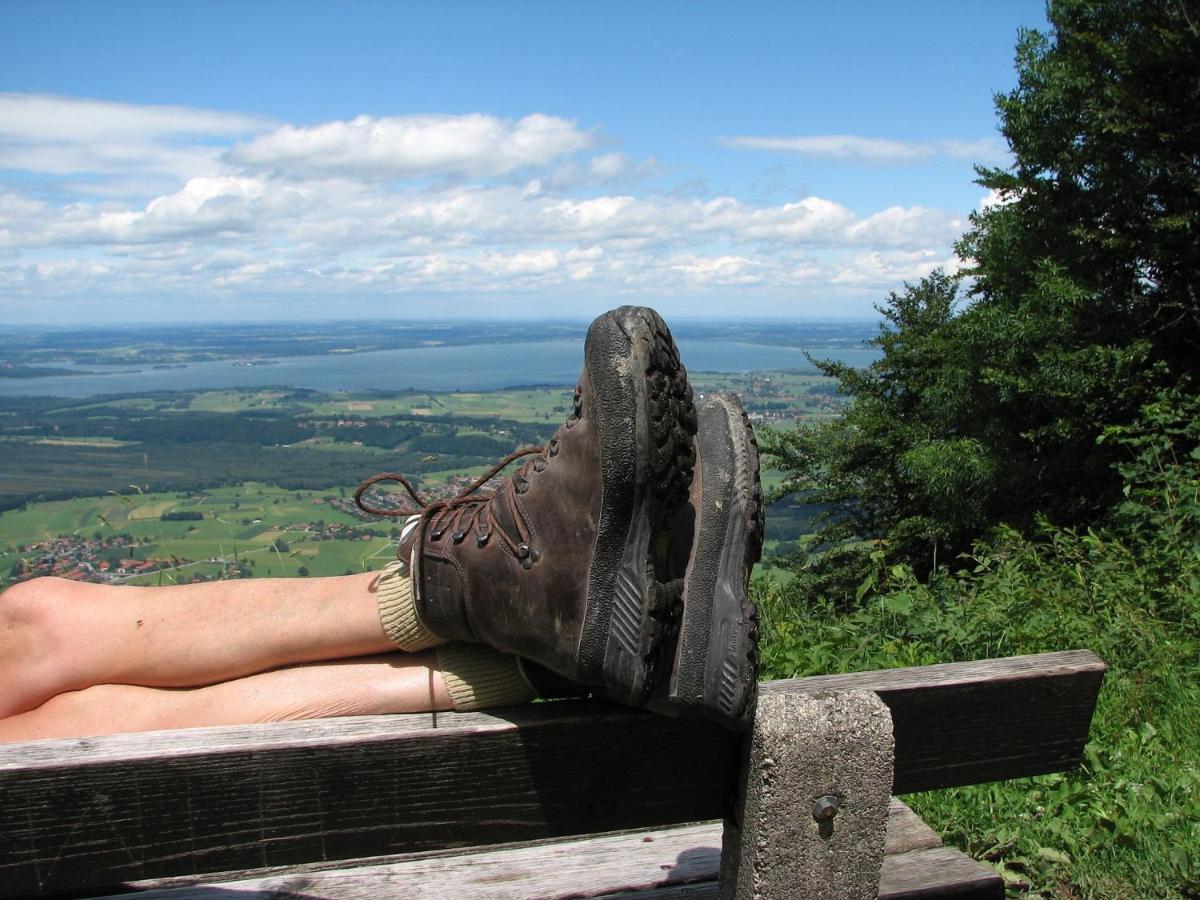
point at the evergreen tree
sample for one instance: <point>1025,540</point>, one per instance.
<point>1081,304</point>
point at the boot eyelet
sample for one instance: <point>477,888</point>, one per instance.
<point>481,540</point>
<point>521,486</point>
<point>523,551</point>
<point>436,534</point>
<point>527,563</point>
<point>458,536</point>
<point>534,555</point>
<point>539,465</point>
<point>571,420</point>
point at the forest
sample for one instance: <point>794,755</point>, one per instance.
<point>1020,470</point>
<point>57,449</point>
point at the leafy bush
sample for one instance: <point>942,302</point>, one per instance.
<point>1127,824</point>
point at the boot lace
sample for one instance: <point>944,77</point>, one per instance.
<point>468,510</point>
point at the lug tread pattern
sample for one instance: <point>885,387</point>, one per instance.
<point>671,414</point>
<point>627,605</point>
<point>739,686</point>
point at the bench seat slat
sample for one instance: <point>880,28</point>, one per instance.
<point>677,862</point>
<point>906,831</point>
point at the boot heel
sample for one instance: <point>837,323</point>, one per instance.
<point>716,665</point>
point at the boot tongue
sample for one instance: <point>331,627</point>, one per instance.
<point>410,533</point>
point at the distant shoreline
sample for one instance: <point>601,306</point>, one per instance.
<point>89,365</point>
<point>251,344</point>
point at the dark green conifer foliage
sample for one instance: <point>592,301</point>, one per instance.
<point>1082,302</point>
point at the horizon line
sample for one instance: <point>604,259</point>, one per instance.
<point>571,320</point>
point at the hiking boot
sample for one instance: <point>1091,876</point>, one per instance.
<point>564,564</point>
<point>715,669</point>
<point>712,650</point>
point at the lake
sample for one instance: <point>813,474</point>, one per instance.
<point>467,368</point>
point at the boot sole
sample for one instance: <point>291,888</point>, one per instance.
<point>715,671</point>
<point>646,419</point>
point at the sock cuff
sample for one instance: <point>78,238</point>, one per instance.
<point>398,610</point>
<point>478,677</point>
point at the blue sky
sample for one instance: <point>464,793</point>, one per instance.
<point>222,161</point>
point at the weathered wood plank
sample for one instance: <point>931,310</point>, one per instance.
<point>678,862</point>
<point>941,872</point>
<point>966,723</point>
<point>907,831</point>
<point>613,863</point>
<point>81,814</point>
<point>69,821</point>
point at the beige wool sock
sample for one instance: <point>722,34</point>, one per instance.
<point>398,610</point>
<point>478,677</point>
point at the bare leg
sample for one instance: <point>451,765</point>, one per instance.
<point>58,635</point>
<point>387,683</point>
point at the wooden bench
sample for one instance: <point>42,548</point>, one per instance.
<point>549,800</point>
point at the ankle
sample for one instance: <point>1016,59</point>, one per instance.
<point>478,677</point>
<point>395,596</point>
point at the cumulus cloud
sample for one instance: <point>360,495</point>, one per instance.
<point>414,146</point>
<point>890,267</point>
<point>167,201</point>
<point>995,198</point>
<point>873,150</point>
<point>726,269</point>
<point>905,226</point>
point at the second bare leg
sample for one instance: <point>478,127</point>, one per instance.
<point>387,683</point>
<point>58,635</point>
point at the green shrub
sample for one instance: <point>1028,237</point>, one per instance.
<point>1126,824</point>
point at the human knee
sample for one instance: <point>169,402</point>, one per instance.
<point>25,606</point>
<point>33,654</point>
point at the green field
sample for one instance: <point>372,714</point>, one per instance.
<point>121,464</point>
<point>533,405</point>
<point>536,405</point>
<point>240,524</point>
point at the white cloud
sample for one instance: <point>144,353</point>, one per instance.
<point>69,135</point>
<point>50,119</point>
<point>812,219</point>
<point>872,150</point>
<point>164,202</point>
<point>889,268</point>
<point>995,198</point>
<point>727,269</point>
<point>609,166</point>
<point>414,146</point>
<point>907,226</point>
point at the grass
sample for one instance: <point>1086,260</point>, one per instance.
<point>533,405</point>
<point>232,401</point>
<point>538,405</point>
<point>240,523</point>
<point>1126,825</point>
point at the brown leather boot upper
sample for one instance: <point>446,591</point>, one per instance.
<point>512,570</point>
<point>563,563</point>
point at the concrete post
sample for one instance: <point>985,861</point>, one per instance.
<point>811,813</point>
